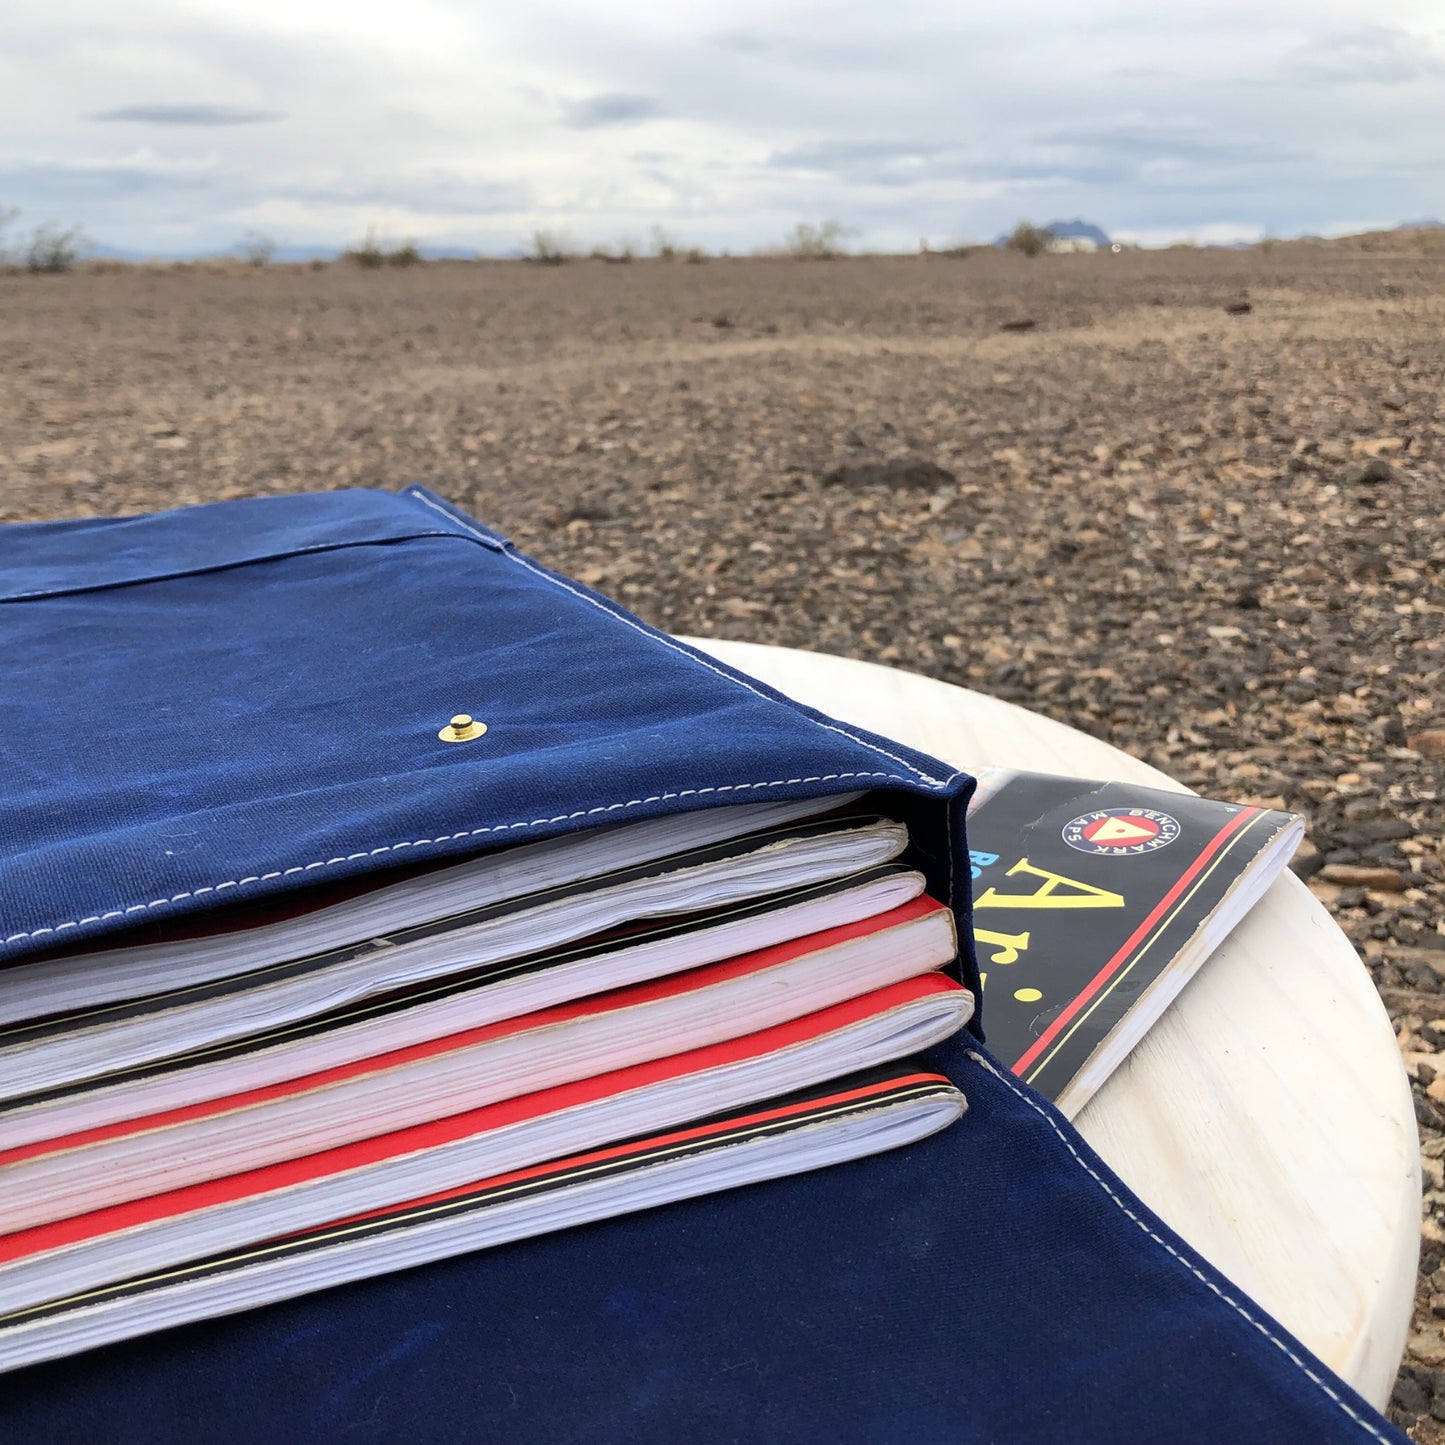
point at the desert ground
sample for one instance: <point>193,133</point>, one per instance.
<point>1209,534</point>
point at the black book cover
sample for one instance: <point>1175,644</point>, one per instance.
<point>1093,904</point>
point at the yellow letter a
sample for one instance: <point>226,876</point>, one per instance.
<point>1044,897</point>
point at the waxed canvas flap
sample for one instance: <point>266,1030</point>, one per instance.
<point>231,700</point>
<point>45,558</point>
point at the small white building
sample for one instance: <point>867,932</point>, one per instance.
<point>1064,245</point>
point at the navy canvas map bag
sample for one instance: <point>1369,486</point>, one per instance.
<point>232,700</point>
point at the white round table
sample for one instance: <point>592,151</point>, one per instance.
<point>1266,1116</point>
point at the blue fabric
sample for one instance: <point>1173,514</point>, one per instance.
<point>219,702</point>
<point>215,703</point>
<point>995,1283</point>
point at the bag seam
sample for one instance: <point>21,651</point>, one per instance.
<point>432,842</point>
<point>223,566</point>
<point>1179,1258</point>
<point>677,647</point>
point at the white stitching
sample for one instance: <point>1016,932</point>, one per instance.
<point>448,838</point>
<point>669,642</point>
<point>1198,1274</point>
<point>215,567</point>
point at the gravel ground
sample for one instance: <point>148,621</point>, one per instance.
<point>1209,533</point>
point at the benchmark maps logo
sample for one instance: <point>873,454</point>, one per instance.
<point>1121,831</point>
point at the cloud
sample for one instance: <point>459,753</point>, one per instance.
<point>190,114</point>
<point>1366,55</point>
<point>1141,140</point>
<point>615,108</point>
<point>744,42</point>
<point>430,193</point>
<point>473,125</point>
<point>863,162</point>
<point>84,181</point>
<point>831,155</point>
<point>1023,164</point>
<point>881,48</point>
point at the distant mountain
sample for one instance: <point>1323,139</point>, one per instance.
<point>1426,225</point>
<point>1068,231</point>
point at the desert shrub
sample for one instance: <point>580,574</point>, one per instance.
<point>50,248</point>
<point>366,253</point>
<point>823,242</point>
<point>370,254</point>
<point>549,249</point>
<point>1028,239</point>
<point>53,249</point>
<point>256,248</point>
<point>618,255</point>
<point>666,247</point>
<point>957,249</point>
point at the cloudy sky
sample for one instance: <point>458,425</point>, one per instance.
<point>178,125</point>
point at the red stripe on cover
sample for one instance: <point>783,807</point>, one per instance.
<point>1134,940</point>
<point>726,1125</point>
<point>439,1132</point>
<point>634,996</point>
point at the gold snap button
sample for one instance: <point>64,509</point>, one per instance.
<point>462,729</point>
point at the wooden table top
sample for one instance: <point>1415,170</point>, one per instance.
<point>1266,1116</point>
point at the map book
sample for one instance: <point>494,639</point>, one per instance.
<point>1094,904</point>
